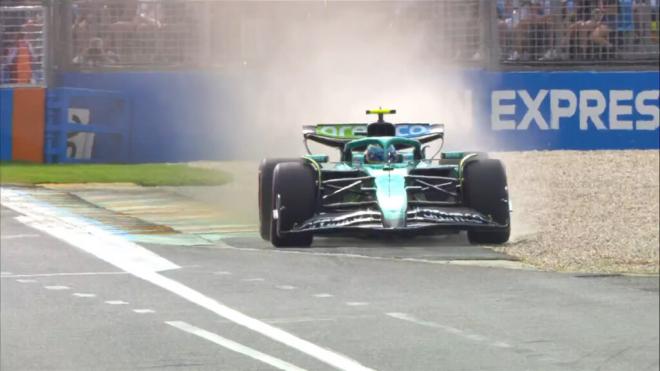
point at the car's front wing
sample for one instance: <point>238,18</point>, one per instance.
<point>418,219</point>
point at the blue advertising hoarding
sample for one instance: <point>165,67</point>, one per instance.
<point>568,110</point>
<point>172,120</point>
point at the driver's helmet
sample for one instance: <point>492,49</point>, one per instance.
<point>376,154</point>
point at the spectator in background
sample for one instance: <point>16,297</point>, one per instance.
<point>19,63</point>
<point>584,9</point>
<point>624,25</point>
<point>82,31</point>
<point>504,24</point>
<point>642,17</point>
<point>96,54</point>
<point>598,32</point>
<point>530,30</point>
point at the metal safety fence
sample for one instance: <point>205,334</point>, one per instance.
<point>23,45</point>
<point>117,33</point>
<point>552,32</point>
<point>157,34</point>
<point>135,33</point>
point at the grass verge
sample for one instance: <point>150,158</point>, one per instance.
<point>142,174</point>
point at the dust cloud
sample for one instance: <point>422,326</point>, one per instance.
<point>310,62</point>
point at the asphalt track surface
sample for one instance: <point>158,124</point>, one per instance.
<point>364,303</point>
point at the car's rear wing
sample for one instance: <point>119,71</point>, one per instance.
<point>336,135</point>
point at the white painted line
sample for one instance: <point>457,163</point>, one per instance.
<point>234,346</point>
<point>501,344</point>
<point>356,303</point>
<point>78,232</point>
<point>449,329</point>
<point>16,236</point>
<point>222,273</point>
<point>65,274</point>
<point>56,287</point>
<point>286,287</point>
<point>23,280</point>
<point>144,264</point>
<point>144,311</point>
<point>252,280</point>
<point>83,295</point>
<point>116,302</point>
<point>323,295</point>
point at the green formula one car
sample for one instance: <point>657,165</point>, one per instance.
<point>383,183</point>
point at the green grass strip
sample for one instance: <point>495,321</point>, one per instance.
<point>142,174</point>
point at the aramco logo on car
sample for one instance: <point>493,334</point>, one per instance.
<point>352,131</point>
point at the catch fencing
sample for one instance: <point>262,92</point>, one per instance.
<point>569,32</point>
<point>23,45</point>
<point>166,34</point>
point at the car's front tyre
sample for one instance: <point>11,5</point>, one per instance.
<point>485,190</point>
<point>294,197</point>
<point>266,169</point>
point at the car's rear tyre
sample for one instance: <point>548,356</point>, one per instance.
<point>295,185</point>
<point>266,169</point>
<point>485,190</point>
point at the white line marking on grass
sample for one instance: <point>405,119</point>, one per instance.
<point>252,280</point>
<point>323,295</point>
<point>234,346</point>
<point>83,295</point>
<point>116,302</point>
<point>56,287</point>
<point>286,287</point>
<point>144,264</point>
<point>222,273</point>
<point>144,311</point>
<point>356,303</point>
<point>23,280</point>
<point>452,330</point>
<point>16,236</point>
<point>64,274</point>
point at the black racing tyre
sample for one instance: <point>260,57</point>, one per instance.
<point>266,169</point>
<point>295,184</point>
<point>485,190</point>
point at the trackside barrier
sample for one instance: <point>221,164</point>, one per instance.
<point>22,124</point>
<point>86,125</point>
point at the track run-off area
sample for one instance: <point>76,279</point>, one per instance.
<point>76,296</point>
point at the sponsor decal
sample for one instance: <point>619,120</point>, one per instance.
<point>343,131</point>
<point>591,109</point>
<point>354,131</point>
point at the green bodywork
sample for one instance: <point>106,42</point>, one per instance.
<point>391,194</point>
<point>389,178</point>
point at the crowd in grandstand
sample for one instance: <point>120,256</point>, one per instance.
<point>134,32</point>
<point>546,30</point>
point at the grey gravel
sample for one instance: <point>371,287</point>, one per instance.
<point>593,211</point>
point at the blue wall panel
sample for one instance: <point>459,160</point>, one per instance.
<point>576,110</point>
<point>6,112</point>
<point>174,114</point>
<point>183,116</point>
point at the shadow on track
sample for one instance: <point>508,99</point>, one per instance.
<point>443,247</point>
